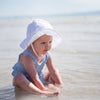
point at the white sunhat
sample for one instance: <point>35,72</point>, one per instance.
<point>38,28</point>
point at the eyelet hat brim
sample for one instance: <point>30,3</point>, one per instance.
<point>38,32</point>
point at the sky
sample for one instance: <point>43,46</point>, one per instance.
<point>46,7</point>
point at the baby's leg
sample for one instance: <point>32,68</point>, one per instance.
<point>55,78</point>
<point>49,82</point>
<point>22,82</point>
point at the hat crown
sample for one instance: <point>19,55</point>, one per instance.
<point>38,28</point>
<point>37,25</point>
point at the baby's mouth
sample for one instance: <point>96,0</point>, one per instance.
<point>45,50</point>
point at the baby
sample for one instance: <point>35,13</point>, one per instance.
<point>27,72</point>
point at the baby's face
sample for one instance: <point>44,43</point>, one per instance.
<point>43,44</point>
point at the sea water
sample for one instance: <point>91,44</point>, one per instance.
<point>77,57</point>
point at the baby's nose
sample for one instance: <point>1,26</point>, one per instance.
<point>47,45</point>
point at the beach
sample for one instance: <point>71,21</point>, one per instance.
<point>77,57</point>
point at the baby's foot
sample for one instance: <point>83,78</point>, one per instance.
<point>52,87</point>
<point>51,93</point>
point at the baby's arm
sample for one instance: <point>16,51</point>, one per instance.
<point>54,73</point>
<point>27,61</point>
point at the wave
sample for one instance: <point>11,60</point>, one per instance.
<point>64,51</point>
<point>7,93</point>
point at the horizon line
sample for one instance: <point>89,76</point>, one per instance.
<point>92,13</point>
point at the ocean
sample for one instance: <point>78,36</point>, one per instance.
<point>77,57</point>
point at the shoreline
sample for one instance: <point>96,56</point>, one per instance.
<point>45,17</point>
